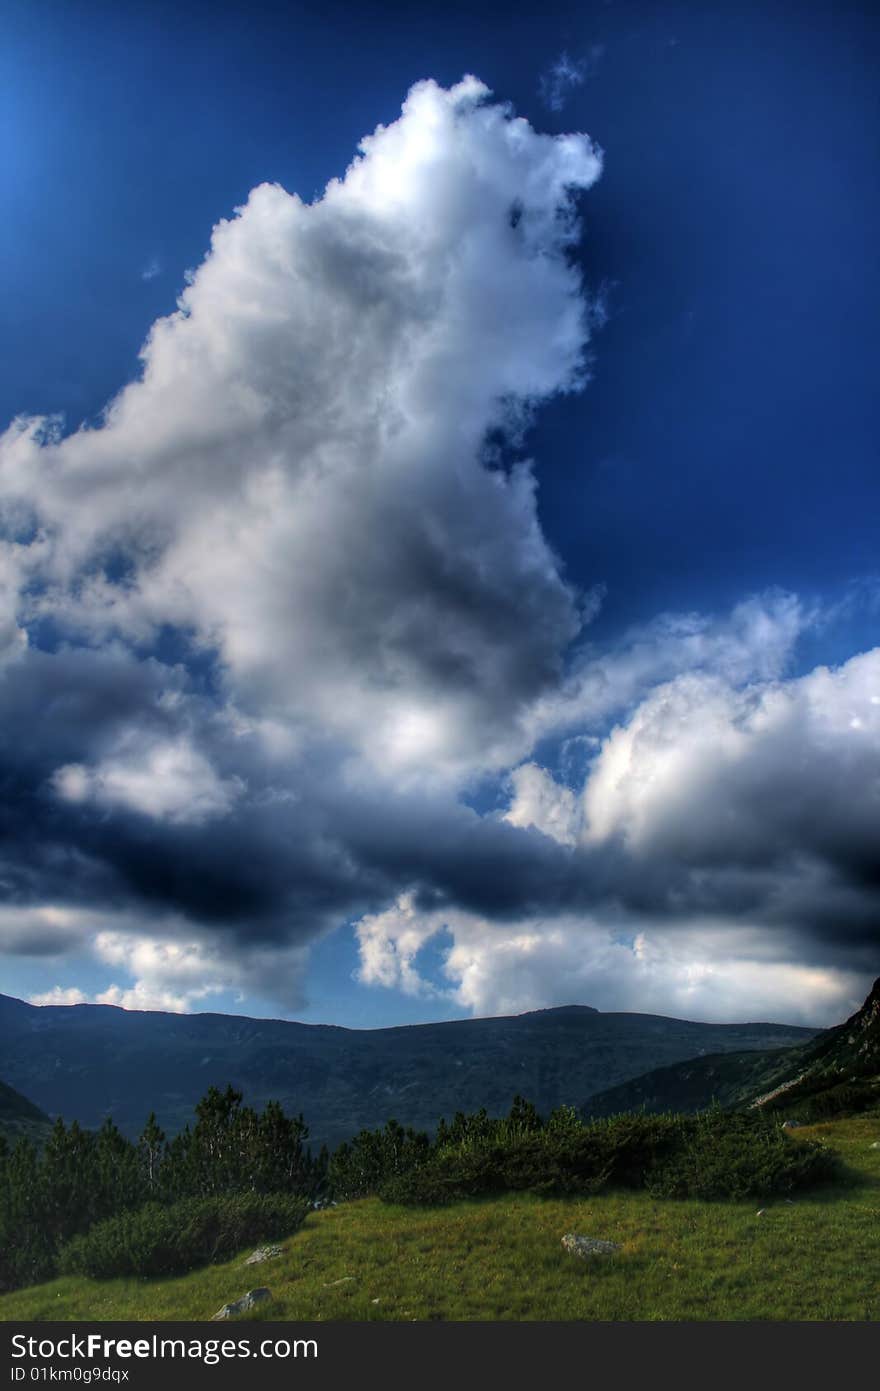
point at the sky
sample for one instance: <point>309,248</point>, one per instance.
<point>438,508</point>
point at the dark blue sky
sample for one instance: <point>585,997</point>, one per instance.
<point>727,443</point>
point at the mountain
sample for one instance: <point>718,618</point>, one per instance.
<point>836,1072</point>
<point>730,1079</point>
<point>89,1061</point>
<point>20,1117</point>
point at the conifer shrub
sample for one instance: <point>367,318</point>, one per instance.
<point>159,1239</point>
<point>736,1154</point>
<point>716,1154</point>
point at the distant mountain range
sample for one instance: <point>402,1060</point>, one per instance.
<point>86,1062</point>
<point>837,1071</point>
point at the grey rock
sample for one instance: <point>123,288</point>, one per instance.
<point>264,1253</point>
<point>876,1145</point>
<point>241,1306</point>
<point>588,1245</point>
<point>791,1125</point>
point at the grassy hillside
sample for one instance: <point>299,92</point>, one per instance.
<point>20,1117</point>
<point>502,1259</point>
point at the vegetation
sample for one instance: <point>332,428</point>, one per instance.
<point>716,1154</point>
<point>80,1177</point>
<point>166,1240</point>
<point>501,1258</point>
<point>21,1118</point>
<point>97,1204</point>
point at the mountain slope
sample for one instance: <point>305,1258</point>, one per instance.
<point>837,1072</point>
<point>20,1117</point>
<point>88,1061</point>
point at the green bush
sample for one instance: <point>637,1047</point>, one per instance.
<point>169,1240</point>
<point>739,1155</point>
<point>714,1155</point>
<point>375,1157</point>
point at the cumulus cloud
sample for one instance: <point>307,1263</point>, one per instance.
<point>266,628</point>
<point>296,481</point>
<point>169,780</point>
<point>721,851</point>
<point>165,965</point>
<point>60,995</point>
<point>713,971</point>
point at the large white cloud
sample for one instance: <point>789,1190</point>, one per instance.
<point>297,478</point>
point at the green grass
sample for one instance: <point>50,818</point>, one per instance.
<point>502,1259</point>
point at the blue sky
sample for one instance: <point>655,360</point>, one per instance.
<point>454,619</point>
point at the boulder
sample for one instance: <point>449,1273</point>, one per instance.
<point>588,1245</point>
<point>241,1306</point>
<point>264,1253</point>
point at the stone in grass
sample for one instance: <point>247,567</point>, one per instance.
<point>588,1245</point>
<point>876,1145</point>
<point>241,1306</point>
<point>264,1253</point>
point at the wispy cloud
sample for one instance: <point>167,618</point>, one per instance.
<point>151,269</point>
<point>566,73</point>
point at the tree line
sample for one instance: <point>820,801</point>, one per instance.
<point>80,1177</point>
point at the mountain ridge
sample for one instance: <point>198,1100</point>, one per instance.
<point>88,1061</point>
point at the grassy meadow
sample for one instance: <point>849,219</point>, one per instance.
<point>501,1258</point>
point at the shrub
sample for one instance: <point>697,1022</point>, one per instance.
<point>739,1155</point>
<point>714,1155</point>
<point>375,1157</point>
<point>169,1240</point>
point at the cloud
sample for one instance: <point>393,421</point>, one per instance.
<point>719,851</point>
<point>297,480</point>
<point>282,586</point>
<point>714,971</point>
<point>151,269</point>
<point>167,781</point>
<point>60,995</point>
<point>563,75</point>
<point>265,630</point>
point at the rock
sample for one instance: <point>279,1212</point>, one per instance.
<point>264,1253</point>
<point>791,1125</point>
<point>343,1280</point>
<point>241,1306</point>
<point>876,1145</point>
<point>760,1212</point>
<point>588,1245</point>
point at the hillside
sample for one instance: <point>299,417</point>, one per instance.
<point>502,1259</point>
<point>88,1061</point>
<point>838,1071</point>
<point>19,1117</point>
